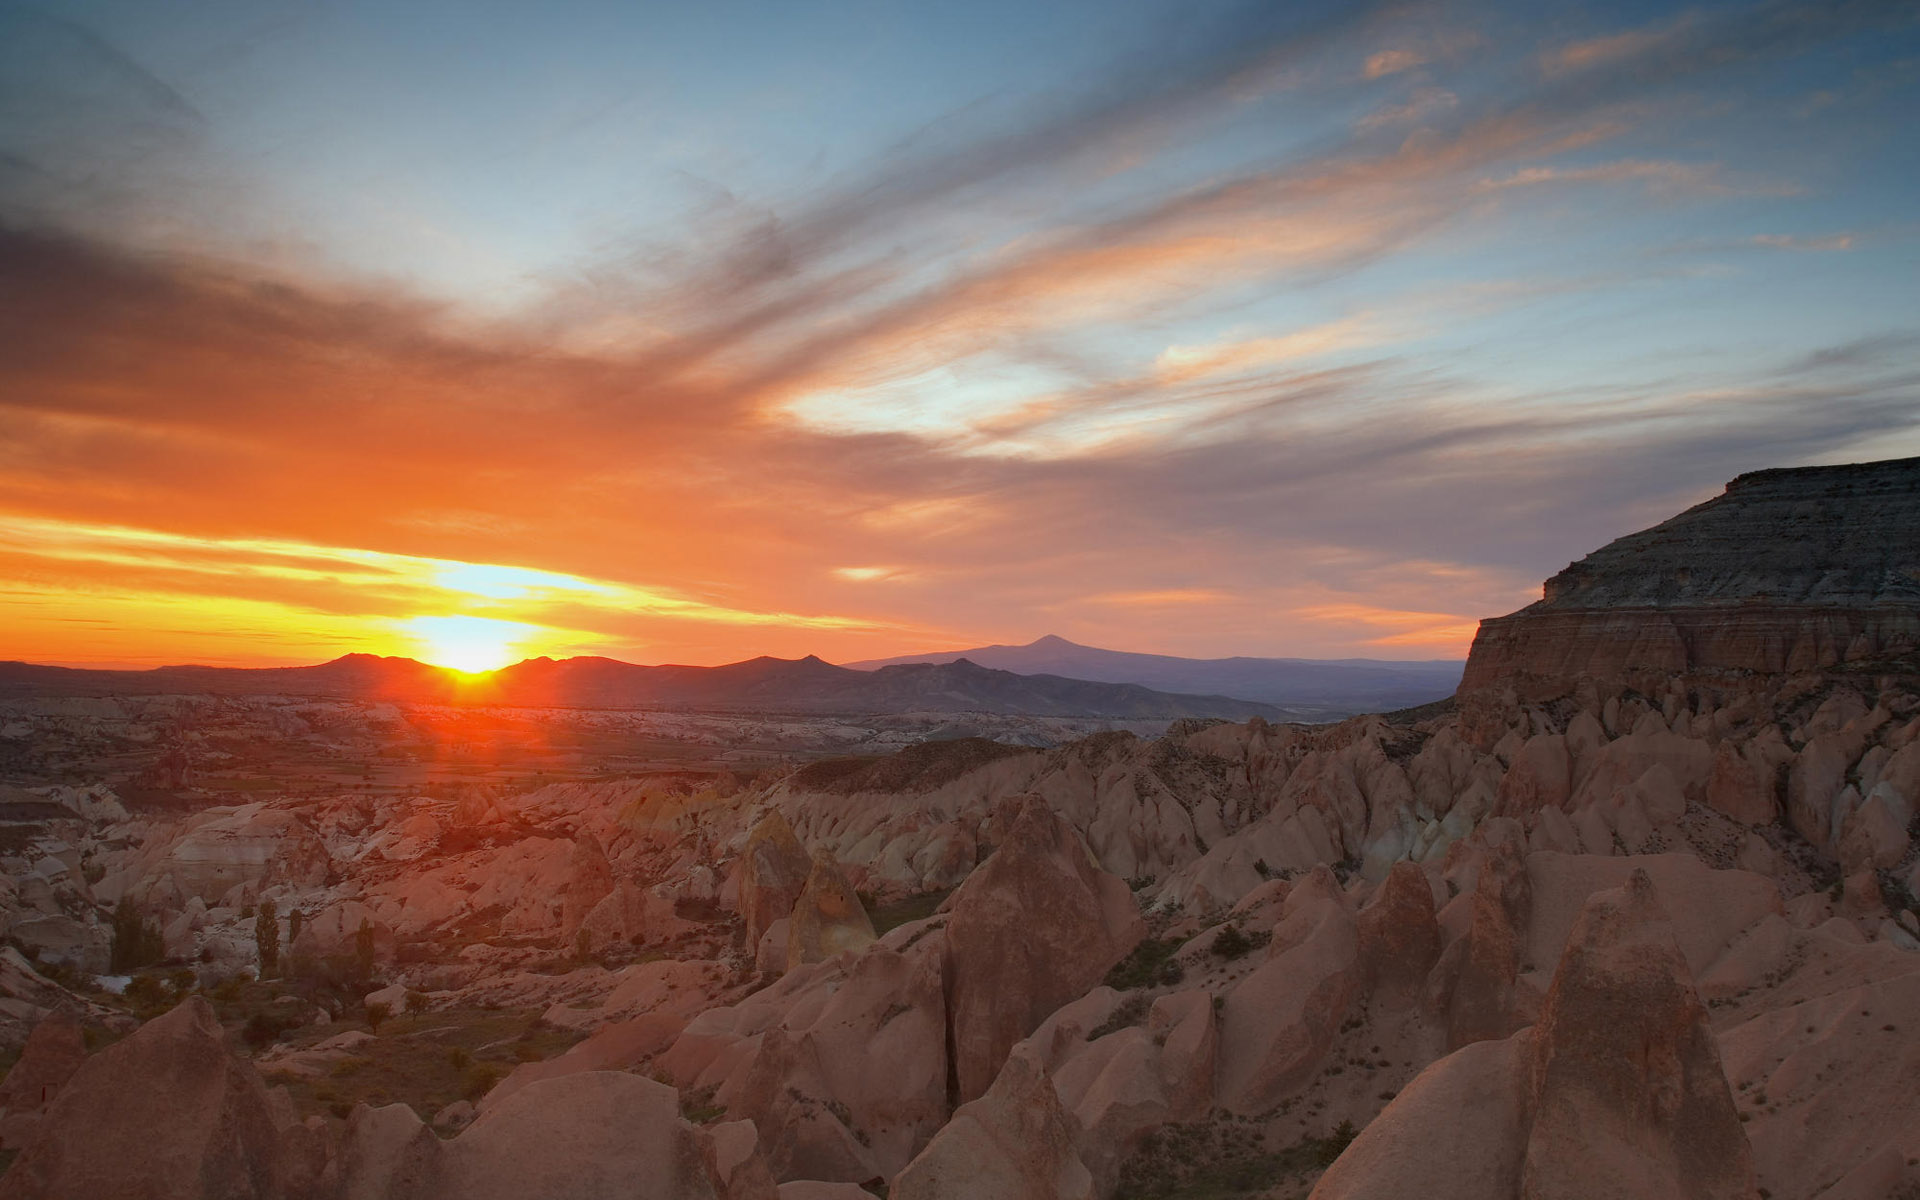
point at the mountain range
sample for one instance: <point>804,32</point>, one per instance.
<point>807,685</point>
<point>1325,687</point>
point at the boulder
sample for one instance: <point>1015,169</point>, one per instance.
<point>1628,1095</point>
<point>851,1080</point>
<point>1740,785</point>
<point>1016,1142</point>
<point>629,914</point>
<point>1035,925</point>
<point>828,917</point>
<point>576,1137</point>
<point>334,942</point>
<point>54,1051</point>
<point>774,869</point>
<point>1479,997</point>
<point>165,1113</point>
<point>1399,938</point>
<point>589,881</point>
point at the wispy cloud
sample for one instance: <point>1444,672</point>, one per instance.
<point>1087,360</point>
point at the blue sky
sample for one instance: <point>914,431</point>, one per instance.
<point>1199,328</point>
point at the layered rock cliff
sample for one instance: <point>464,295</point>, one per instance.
<point>1788,570</point>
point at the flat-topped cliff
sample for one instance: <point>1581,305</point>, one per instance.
<point>1790,569</point>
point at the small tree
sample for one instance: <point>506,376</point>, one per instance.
<point>266,938</point>
<point>137,942</point>
<point>376,1013</point>
<point>296,920</point>
<point>363,951</point>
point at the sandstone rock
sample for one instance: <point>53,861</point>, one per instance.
<point>165,1113</point>
<point>1875,834</point>
<point>1480,1001</point>
<point>851,1080</point>
<point>630,914</point>
<point>1399,939</point>
<point>1128,1083</point>
<point>812,1189</point>
<point>589,881</point>
<point>1616,1094</point>
<point>827,918</point>
<point>1831,1107</point>
<point>1016,1142</point>
<point>1035,925</point>
<point>577,1137</point>
<point>251,844</point>
<point>1540,776</point>
<point>1789,570</point>
<point>1741,787</point>
<point>54,1051</point>
<point>1628,1095</point>
<point>1278,1022</point>
<point>770,957</point>
<point>774,868</point>
<point>1457,1132</point>
<point>332,941</point>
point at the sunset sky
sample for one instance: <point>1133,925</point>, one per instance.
<point>689,332</point>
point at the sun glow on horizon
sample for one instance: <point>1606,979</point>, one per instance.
<point>471,645</point>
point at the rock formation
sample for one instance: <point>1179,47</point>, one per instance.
<point>1788,570</point>
<point>166,1113</point>
<point>828,917</point>
<point>1617,1092</point>
<point>1034,926</point>
<point>773,872</point>
<point>53,1053</point>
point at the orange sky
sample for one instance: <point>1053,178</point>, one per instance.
<point>1309,330</point>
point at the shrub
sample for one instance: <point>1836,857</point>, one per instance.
<point>376,1013</point>
<point>416,1003</point>
<point>266,938</point>
<point>1232,944</point>
<point>479,1080</point>
<point>147,994</point>
<point>1148,963</point>
<point>137,942</point>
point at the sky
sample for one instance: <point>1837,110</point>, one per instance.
<point>687,333</point>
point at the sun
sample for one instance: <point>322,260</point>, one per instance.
<point>468,644</point>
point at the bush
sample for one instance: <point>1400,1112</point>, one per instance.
<point>416,1003</point>
<point>266,938</point>
<point>137,942</point>
<point>1149,963</point>
<point>1232,944</point>
<point>147,994</point>
<point>479,1080</point>
<point>263,1029</point>
<point>377,1013</point>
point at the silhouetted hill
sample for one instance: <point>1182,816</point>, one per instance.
<point>1328,686</point>
<point>806,685</point>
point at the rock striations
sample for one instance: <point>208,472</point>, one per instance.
<point>1788,570</point>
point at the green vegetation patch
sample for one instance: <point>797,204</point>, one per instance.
<point>427,1060</point>
<point>1148,964</point>
<point>1224,1158</point>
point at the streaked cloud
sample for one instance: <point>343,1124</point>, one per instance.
<point>1343,326</point>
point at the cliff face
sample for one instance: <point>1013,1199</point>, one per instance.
<point>1788,570</point>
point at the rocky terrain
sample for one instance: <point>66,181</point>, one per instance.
<point>1602,926</point>
<point>1789,570</point>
